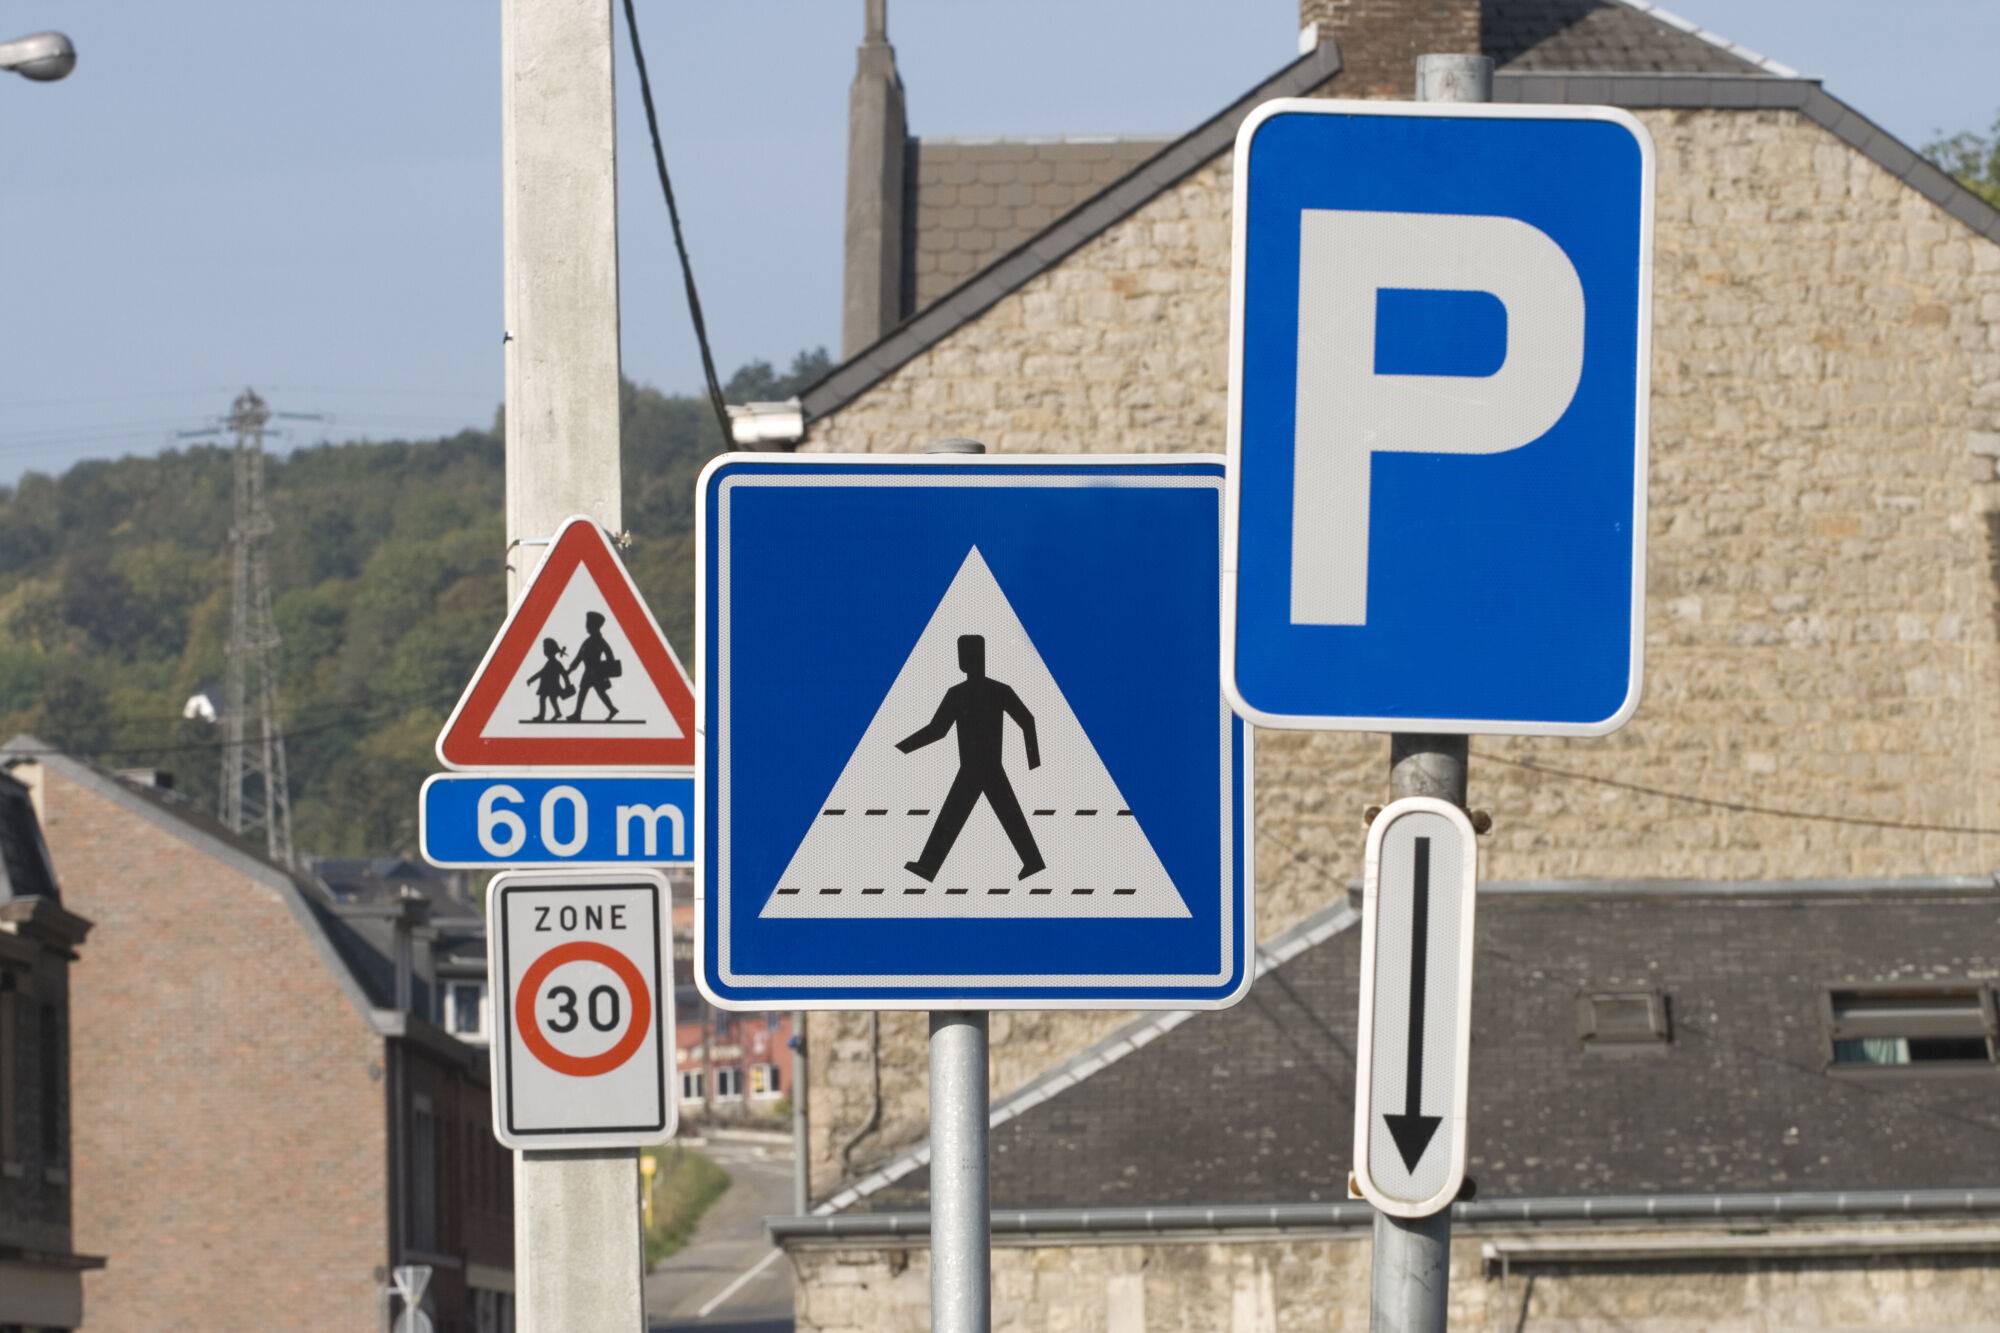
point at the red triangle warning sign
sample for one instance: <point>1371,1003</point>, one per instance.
<point>580,675</point>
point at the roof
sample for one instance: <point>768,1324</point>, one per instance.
<point>1624,36</point>
<point>973,200</point>
<point>355,951</point>
<point>379,879</point>
<point>1624,53</point>
<point>1253,1105</point>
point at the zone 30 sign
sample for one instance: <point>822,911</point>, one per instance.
<point>580,1055</point>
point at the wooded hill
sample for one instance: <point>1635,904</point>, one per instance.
<point>387,581</point>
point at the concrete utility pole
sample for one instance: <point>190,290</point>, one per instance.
<point>1411,1278</point>
<point>577,1255</point>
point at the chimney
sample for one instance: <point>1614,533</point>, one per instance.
<point>410,914</point>
<point>1380,40</point>
<point>877,138</point>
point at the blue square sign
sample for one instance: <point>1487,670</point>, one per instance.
<point>1440,335</point>
<point>962,740</point>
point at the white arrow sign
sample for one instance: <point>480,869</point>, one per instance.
<point>1416,1007</point>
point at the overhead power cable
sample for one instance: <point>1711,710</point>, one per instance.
<point>356,719</point>
<point>1743,807</point>
<point>715,398</point>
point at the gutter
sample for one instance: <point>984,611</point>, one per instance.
<point>1055,1223</point>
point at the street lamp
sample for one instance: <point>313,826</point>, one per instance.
<point>42,56</point>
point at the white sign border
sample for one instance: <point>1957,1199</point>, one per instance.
<point>1232,499</point>
<point>500,1002</point>
<point>1364,1042</point>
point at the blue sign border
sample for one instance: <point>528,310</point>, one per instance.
<point>1445,638</point>
<point>1111,990</point>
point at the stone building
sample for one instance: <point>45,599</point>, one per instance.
<point>1822,619</point>
<point>41,1274</point>
<point>267,1117</point>
<point>1651,1098</point>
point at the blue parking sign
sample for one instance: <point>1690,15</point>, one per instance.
<point>1439,364</point>
<point>962,741</point>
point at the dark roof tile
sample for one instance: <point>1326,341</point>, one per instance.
<point>1597,35</point>
<point>1254,1104</point>
<point>982,199</point>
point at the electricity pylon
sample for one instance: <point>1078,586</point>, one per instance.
<point>255,792</point>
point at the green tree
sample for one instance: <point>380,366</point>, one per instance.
<point>388,573</point>
<point>757,382</point>
<point>1972,158</point>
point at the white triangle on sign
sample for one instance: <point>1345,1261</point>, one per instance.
<point>886,803</point>
<point>521,710</point>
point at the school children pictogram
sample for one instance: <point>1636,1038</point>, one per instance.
<point>975,792</point>
<point>594,666</point>
<point>579,676</point>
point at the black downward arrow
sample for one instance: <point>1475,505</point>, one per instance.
<point>1412,1130</point>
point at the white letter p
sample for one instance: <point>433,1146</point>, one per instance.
<point>1347,412</point>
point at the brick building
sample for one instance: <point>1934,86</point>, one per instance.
<point>41,1275</point>
<point>267,1117</point>
<point>1821,623</point>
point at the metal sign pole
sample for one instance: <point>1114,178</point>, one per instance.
<point>961,1220</point>
<point>961,1213</point>
<point>1411,1278</point>
<point>1412,1267</point>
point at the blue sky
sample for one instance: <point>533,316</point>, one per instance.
<point>307,197</point>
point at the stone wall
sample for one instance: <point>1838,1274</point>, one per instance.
<point>1821,620</point>
<point>1279,1286</point>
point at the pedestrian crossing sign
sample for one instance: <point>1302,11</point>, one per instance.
<point>962,740</point>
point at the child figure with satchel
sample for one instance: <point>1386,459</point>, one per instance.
<point>598,666</point>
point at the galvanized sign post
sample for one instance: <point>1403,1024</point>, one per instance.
<point>1438,402</point>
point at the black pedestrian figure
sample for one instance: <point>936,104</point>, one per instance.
<point>598,667</point>
<point>979,707</point>
<point>551,682</point>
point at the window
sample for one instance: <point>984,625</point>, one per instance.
<point>728,1085</point>
<point>764,1081</point>
<point>465,1008</point>
<point>691,1085</point>
<point>1877,1027</point>
<point>10,1073</point>
<point>1623,1020</point>
<point>423,1180</point>
<point>52,1085</point>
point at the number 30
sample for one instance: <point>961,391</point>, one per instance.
<point>566,1009</point>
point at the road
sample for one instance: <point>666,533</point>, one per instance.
<point>729,1279</point>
